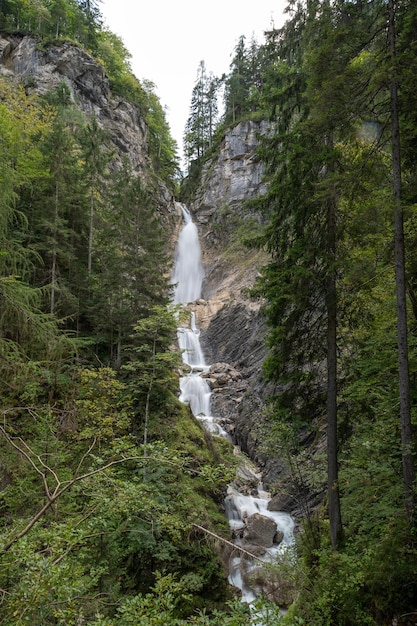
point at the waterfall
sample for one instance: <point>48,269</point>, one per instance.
<point>195,390</point>
<point>188,271</point>
<point>189,342</point>
<point>188,279</point>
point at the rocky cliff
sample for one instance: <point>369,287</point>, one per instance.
<point>42,68</point>
<point>227,181</point>
<point>233,327</point>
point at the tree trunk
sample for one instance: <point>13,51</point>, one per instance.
<point>54,251</point>
<point>403,368</point>
<point>332,443</point>
<point>90,236</point>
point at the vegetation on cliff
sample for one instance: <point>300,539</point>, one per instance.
<point>104,472</point>
<point>80,22</point>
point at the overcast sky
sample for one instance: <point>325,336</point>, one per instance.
<point>168,38</point>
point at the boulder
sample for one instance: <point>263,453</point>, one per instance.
<point>278,537</point>
<point>260,530</point>
<point>282,502</point>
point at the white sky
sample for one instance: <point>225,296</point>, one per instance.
<point>168,38</point>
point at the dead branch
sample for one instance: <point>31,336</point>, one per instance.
<point>229,543</point>
<point>61,487</point>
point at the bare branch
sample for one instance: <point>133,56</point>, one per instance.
<point>27,457</point>
<point>229,543</point>
<point>62,487</point>
<point>85,456</point>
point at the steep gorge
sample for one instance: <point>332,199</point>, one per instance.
<point>232,322</point>
<point>232,325</point>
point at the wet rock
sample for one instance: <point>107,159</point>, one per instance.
<point>247,475</point>
<point>278,537</point>
<point>275,586</point>
<point>221,375</point>
<point>260,530</point>
<point>282,502</point>
<point>254,549</point>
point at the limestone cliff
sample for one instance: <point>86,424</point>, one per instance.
<point>42,68</point>
<point>233,327</point>
<point>227,181</point>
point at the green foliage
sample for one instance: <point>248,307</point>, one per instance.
<point>162,148</point>
<point>112,526</point>
<point>151,368</point>
<point>199,129</point>
<point>102,406</point>
<point>245,83</point>
<point>80,21</point>
<point>324,83</point>
<point>104,473</point>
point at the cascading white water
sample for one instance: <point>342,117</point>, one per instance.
<point>188,271</point>
<point>189,342</point>
<point>195,390</point>
<point>238,508</point>
<point>187,279</point>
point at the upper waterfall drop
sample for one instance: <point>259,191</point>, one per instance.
<point>188,273</point>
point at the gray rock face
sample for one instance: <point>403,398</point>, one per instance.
<point>233,329</point>
<point>236,336</point>
<point>221,375</point>
<point>42,69</point>
<point>232,326</point>
<point>235,176</point>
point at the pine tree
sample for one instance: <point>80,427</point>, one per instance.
<point>402,324</point>
<point>59,225</point>
<point>317,116</point>
<point>200,125</point>
<point>95,160</point>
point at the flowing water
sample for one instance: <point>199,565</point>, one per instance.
<point>188,271</point>
<point>195,390</point>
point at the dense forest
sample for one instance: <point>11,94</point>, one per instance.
<point>104,473</point>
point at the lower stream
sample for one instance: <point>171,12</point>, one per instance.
<point>255,529</point>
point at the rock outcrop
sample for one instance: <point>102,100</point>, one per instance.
<point>261,531</point>
<point>235,176</point>
<point>42,68</point>
<point>233,328</point>
<point>226,183</point>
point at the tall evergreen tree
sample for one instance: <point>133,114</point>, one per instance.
<point>402,324</point>
<point>237,84</point>
<point>317,114</point>
<point>95,159</point>
<point>200,125</point>
<point>129,262</point>
<point>62,214</point>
